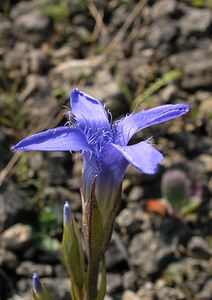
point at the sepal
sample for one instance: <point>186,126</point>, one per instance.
<point>73,258</point>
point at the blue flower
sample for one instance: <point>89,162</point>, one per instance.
<point>36,284</point>
<point>104,146</point>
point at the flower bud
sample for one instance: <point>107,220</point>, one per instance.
<point>175,186</point>
<point>67,215</point>
<point>36,284</point>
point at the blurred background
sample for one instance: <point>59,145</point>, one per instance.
<point>133,55</point>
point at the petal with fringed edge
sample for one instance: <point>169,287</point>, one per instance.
<point>131,124</point>
<point>142,156</point>
<point>89,112</point>
<point>58,139</point>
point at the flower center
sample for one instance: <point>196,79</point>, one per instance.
<point>99,138</point>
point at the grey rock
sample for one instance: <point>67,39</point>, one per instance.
<point>33,27</point>
<point>209,128</point>
<point>188,268</point>
<point>174,231</point>
<point>8,259</point>
<point>27,268</point>
<point>170,293</point>
<point>23,296</point>
<point>12,202</point>
<point>150,292</point>
<point>197,247</point>
<point>114,283</point>
<point>168,93</point>
<point>60,271</point>
<point>61,194</point>
<point>39,61</point>
<point>129,281</point>
<point>149,254</point>
<point>17,237</point>
<point>161,259</point>
<point>125,218</point>
<point>135,194</point>
<point>206,292</point>
<point>206,161</point>
<point>130,295</point>
<point>164,8</point>
<point>197,73</point>
<point>5,28</point>
<point>22,8</point>
<point>114,257</point>
<point>162,32</point>
<point>205,108</point>
<point>57,161</point>
<point>17,57</point>
<point>127,222</point>
<point>196,66</point>
<point>196,22</point>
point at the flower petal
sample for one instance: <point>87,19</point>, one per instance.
<point>58,139</point>
<point>142,156</point>
<point>88,110</point>
<point>113,167</point>
<point>89,172</point>
<point>131,124</point>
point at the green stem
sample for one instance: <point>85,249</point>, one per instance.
<point>92,285</point>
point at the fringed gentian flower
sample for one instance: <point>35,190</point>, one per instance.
<point>106,155</point>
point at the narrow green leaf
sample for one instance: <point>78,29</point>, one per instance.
<point>159,83</point>
<point>74,258</point>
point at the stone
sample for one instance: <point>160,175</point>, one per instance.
<point>39,61</point>
<point>27,268</point>
<point>172,231</point>
<point>125,218</point>
<point>114,283</point>
<point>196,66</point>
<point>130,295</point>
<point>114,256</point>
<point>5,28</point>
<point>22,8</point>
<point>206,161</point>
<point>129,281</point>
<point>17,57</point>
<point>197,247</point>
<point>127,222</point>
<point>57,161</point>
<point>164,8</point>
<point>12,202</point>
<point>8,259</point>
<point>17,237</point>
<point>206,291</point>
<point>195,22</point>
<point>170,293</point>
<point>188,268</point>
<point>135,194</point>
<point>162,32</point>
<point>33,27</point>
<point>24,296</point>
<point>168,93</point>
<point>152,252</point>
<point>205,108</point>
